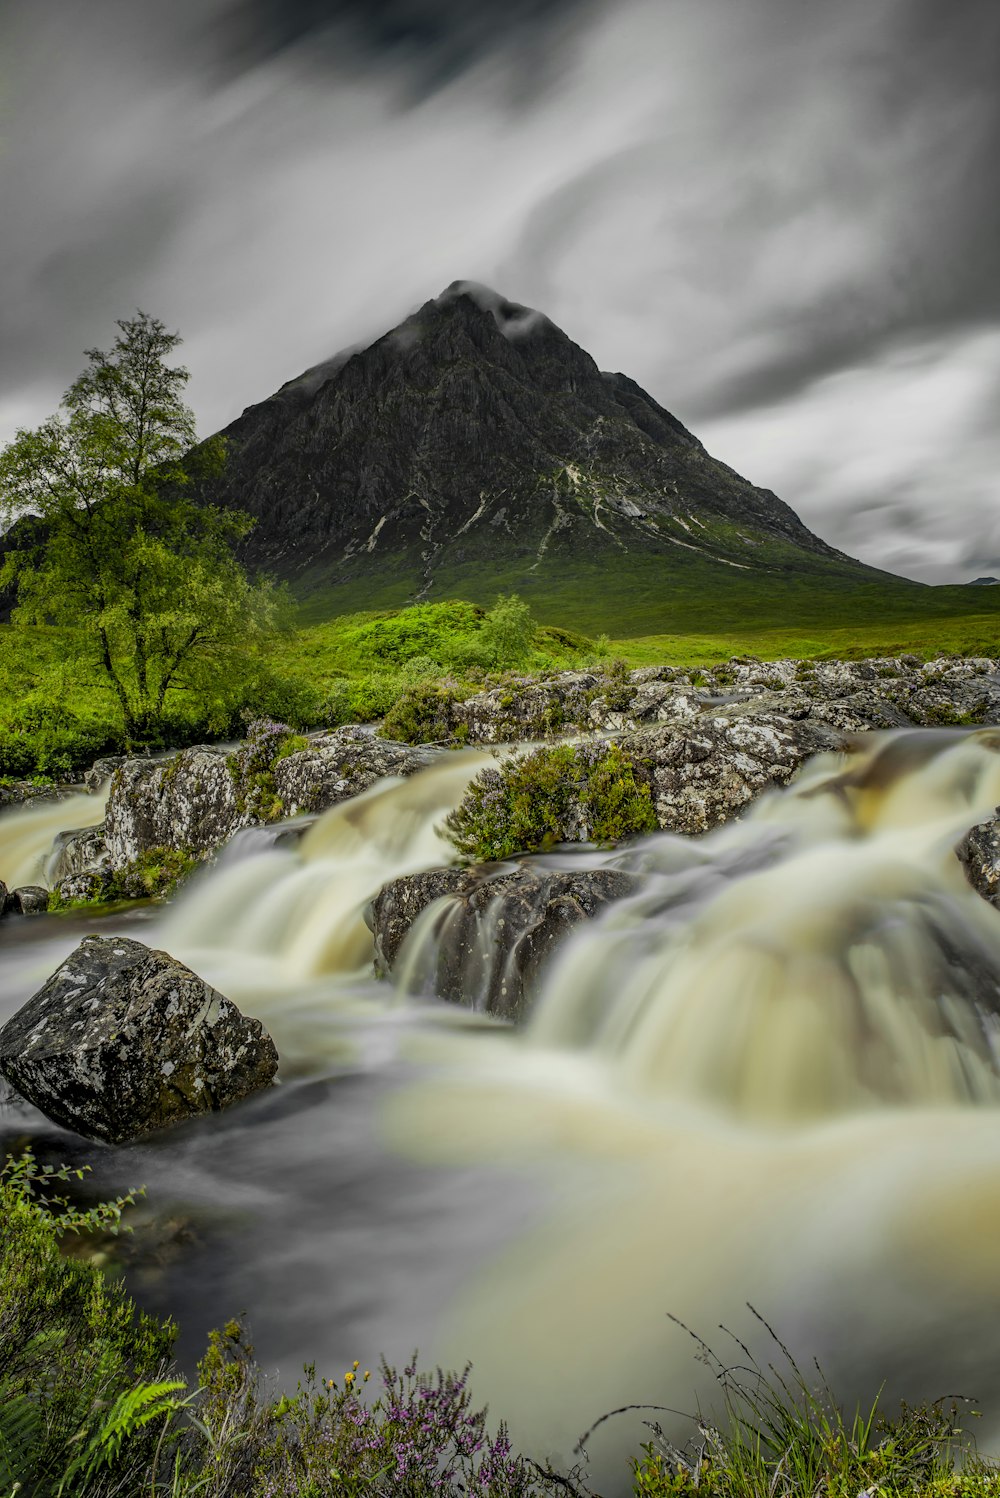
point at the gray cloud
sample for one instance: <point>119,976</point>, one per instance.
<point>778,218</point>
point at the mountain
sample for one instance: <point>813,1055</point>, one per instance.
<point>476,448</point>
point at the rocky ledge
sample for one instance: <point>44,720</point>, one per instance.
<point>195,801</point>
<point>853,696</point>
<point>491,930</point>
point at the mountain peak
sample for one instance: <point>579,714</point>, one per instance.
<point>477,447</point>
<point>514,320</point>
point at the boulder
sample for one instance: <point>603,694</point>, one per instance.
<point>30,899</point>
<point>196,800</point>
<point>102,770</point>
<point>90,886</point>
<point>341,764</point>
<point>707,773</point>
<point>979,855</point>
<point>78,851</point>
<point>495,930</point>
<point>187,802</point>
<point>122,1040</point>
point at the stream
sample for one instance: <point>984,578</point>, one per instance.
<point>768,1079</point>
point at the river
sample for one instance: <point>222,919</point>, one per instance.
<point>769,1079</point>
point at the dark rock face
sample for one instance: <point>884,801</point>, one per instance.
<point>478,427</point>
<point>122,1040</point>
<point>494,931</point>
<point>30,899</point>
<point>979,855</point>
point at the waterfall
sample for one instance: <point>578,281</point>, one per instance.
<point>27,833</point>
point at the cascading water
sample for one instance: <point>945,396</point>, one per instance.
<point>27,833</point>
<point>770,1076</point>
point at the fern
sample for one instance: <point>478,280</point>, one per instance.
<point>131,1412</point>
<point>20,1433</point>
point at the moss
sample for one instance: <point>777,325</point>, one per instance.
<point>591,792</point>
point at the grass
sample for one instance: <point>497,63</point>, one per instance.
<point>56,718</point>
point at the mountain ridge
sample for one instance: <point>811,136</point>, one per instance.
<point>476,448</point>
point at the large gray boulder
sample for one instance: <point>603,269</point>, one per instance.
<point>341,764</point>
<point>493,930</point>
<point>196,800</point>
<point>122,1040</point>
<point>706,773</point>
<point>187,802</point>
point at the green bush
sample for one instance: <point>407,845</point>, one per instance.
<point>593,792</point>
<point>75,1354</point>
<point>422,715</point>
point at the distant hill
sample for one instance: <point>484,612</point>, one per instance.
<point>476,448</point>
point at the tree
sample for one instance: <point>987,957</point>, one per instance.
<point>124,556</point>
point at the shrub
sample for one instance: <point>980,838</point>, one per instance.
<point>592,792</point>
<point>74,1351</point>
<point>252,766</point>
<point>422,715</point>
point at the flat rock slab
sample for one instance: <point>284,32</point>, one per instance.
<point>123,1039</point>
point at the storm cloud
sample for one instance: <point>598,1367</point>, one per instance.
<point>779,218</point>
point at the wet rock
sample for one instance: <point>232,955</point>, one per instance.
<point>102,770</point>
<point>30,899</point>
<point>979,855</point>
<point>341,764</point>
<point>196,800</point>
<point>79,850</point>
<point>90,886</point>
<point>18,792</point>
<point>122,1040</point>
<point>708,774</point>
<point>492,931</point>
<point>186,802</point>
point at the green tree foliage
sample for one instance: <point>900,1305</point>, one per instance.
<point>143,576</point>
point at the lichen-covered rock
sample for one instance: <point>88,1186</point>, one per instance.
<point>88,887</point>
<point>102,770</point>
<point>196,800</point>
<point>979,855</point>
<point>79,850</point>
<point>122,1040</point>
<point>30,899</point>
<point>706,774</point>
<point>852,696</point>
<point>17,792</point>
<point>189,801</point>
<point>340,764</point>
<point>492,931</point>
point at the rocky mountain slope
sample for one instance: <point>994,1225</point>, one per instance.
<point>477,445</point>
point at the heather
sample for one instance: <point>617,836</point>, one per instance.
<point>584,793</point>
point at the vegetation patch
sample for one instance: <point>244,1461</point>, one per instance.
<point>424,715</point>
<point>252,767</point>
<point>595,792</point>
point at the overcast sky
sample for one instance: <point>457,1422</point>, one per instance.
<point>779,216</point>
